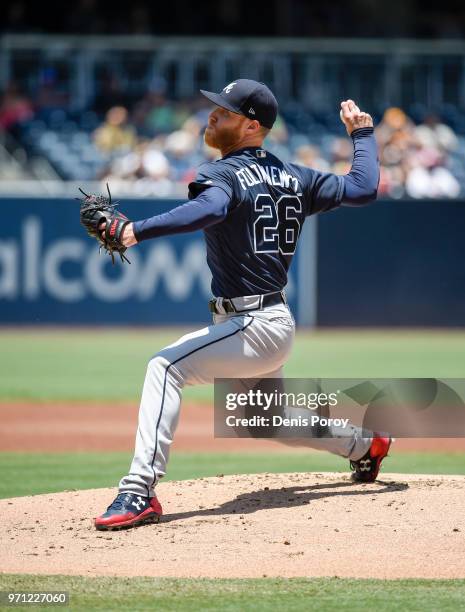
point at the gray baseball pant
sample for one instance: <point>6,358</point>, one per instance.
<point>254,344</point>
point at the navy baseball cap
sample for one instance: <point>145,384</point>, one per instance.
<point>249,98</point>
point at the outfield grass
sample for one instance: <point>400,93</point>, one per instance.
<point>108,365</point>
<point>266,594</point>
<point>30,473</point>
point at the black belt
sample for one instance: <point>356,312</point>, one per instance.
<point>268,299</point>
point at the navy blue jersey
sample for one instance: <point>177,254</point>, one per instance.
<point>250,250</point>
<point>252,207</point>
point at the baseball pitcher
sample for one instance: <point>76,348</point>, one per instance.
<point>251,207</point>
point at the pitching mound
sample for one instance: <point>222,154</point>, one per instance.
<point>251,526</point>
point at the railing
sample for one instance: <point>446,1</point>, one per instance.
<point>315,72</point>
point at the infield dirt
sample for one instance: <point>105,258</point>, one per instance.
<point>308,524</point>
<point>69,427</point>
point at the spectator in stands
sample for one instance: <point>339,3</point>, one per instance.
<point>395,136</point>
<point>15,108</point>
<point>432,133</point>
<point>144,171</point>
<point>414,158</point>
<point>155,114</point>
<point>155,177</point>
<point>341,155</point>
<point>428,177</point>
<point>392,181</point>
<point>180,147</point>
<point>395,124</point>
<point>310,156</point>
<point>115,134</point>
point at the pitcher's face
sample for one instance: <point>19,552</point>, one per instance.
<point>224,128</point>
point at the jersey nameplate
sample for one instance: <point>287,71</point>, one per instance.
<point>271,175</point>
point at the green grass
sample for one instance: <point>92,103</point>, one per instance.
<point>30,473</point>
<point>108,365</point>
<point>266,594</point>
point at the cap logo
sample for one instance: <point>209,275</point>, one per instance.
<point>228,88</point>
<point>251,111</point>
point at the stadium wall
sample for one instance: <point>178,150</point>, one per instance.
<point>353,267</point>
<point>395,263</point>
<point>51,271</point>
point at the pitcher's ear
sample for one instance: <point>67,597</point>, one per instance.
<point>254,125</point>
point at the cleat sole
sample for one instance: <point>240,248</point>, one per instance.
<point>146,520</point>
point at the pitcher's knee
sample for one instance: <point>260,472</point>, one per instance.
<point>159,366</point>
<point>157,363</point>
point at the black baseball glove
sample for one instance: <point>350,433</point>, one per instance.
<point>97,210</point>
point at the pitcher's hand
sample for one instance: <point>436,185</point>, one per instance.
<point>353,118</point>
<point>128,238</point>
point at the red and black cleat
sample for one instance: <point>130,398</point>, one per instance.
<point>366,469</point>
<point>129,510</point>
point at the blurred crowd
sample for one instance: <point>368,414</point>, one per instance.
<point>158,144</point>
<point>415,159</point>
<point>154,146</point>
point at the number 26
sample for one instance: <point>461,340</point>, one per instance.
<point>277,226</point>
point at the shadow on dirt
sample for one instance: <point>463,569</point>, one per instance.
<point>265,498</point>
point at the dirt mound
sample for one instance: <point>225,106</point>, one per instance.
<point>251,526</point>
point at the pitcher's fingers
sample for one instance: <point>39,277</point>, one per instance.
<point>365,119</point>
<point>353,107</point>
<point>345,110</point>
